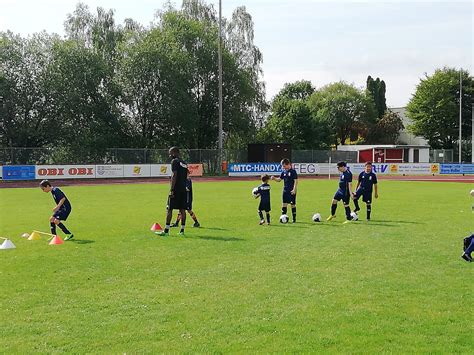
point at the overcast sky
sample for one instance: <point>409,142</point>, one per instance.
<point>320,41</point>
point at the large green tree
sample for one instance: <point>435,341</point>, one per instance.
<point>24,120</point>
<point>123,85</point>
<point>434,107</point>
<point>342,108</point>
<point>291,119</point>
<point>82,96</point>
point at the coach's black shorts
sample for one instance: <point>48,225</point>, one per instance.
<point>62,214</point>
<point>178,201</point>
<point>289,198</point>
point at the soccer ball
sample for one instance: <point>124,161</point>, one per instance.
<point>284,218</point>
<point>472,193</point>
<point>354,216</point>
<point>255,192</point>
<point>316,217</point>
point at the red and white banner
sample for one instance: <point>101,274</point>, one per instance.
<point>109,171</point>
<point>65,172</point>
<point>195,169</point>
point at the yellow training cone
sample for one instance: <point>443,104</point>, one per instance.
<point>34,236</point>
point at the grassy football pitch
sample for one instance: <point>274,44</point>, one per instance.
<point>396,284</point>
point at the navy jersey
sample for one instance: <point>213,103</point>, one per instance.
<point>180,168</point>
<point>367,181</point>
<point>264,191</point>
<point>58,195</point>
<point>344,179</point>
<point>189,190</point>
<point>289,176</point>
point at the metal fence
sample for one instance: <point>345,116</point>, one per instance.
<point>152,156</point>
<point>208,157</point>
<point>441,156</point>
<point>323,156</point>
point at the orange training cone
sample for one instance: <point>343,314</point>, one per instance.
<point>56,240</point>
<point>156,227</point>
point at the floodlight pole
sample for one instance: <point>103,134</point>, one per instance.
<point>460,115</point>
<point>220,87</point>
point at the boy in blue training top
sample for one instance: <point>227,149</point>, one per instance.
<point>263,191</point>
<point>468,248</point>
<point>344,192</point>
<point>290,184</point>
<point>189,204</point>
<point>61,211</point>
<point>367,182</point>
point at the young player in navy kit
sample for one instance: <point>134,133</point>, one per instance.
<point>61,211</point>
<point>344,192</point>
<point>263,191</point>
<point>290,184</point>
<point>366,183</point>
<point>189,204</point>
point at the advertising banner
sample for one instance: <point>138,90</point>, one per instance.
<point>378,168</point>
<point>160,170</point>
<point>108,171</point>
<point>306,168</point>
<point>256,169</point>
<point>65,171</point>
<point>416,168</point>
<point>195,169</point>
<point>467,169</point>
<point>253,169</point>
<point>137,170</point>
<point>18,172</point>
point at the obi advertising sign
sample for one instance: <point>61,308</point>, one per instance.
<point>65,171</point>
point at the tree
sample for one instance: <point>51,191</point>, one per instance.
<point>23,121</point>
<point>386,130</point>
<point>81,95</point>
<point>340,107</point>
<point>434,108</point>
<point>299,90</point>
<point>108,85</point>
<point>376,90</point>
<point>291,120</point>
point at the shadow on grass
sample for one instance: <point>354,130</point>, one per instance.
<point>380,221</point>
<point>214,228</point>
<point>218,239</point>
<point>82,241</point>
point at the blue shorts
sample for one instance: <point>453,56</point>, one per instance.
<point>62,214</point>
<point>366,196</point>
<point>340,195</point>
<point>289,198</point>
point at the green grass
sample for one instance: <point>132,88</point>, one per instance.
<point>394,285</point>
